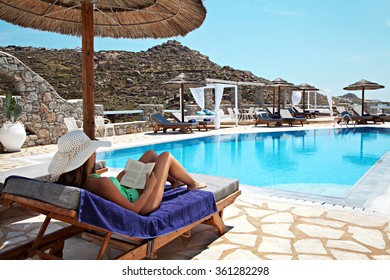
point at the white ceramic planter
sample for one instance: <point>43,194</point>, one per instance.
<point>12,136</point>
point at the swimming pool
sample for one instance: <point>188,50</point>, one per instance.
<point>324,162</point>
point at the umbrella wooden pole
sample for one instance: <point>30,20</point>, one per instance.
<point>182,102</point>
<point>87,69</point>
<point>362,101</point>
<point>273,102</point>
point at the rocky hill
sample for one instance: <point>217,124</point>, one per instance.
<point>125,79</point>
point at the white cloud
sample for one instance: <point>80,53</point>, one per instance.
<point>282,11</point>
<point>387,21</point>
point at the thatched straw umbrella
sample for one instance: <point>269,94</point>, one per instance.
<point>179,82</point>
<point>104,18</point>
<point>276,85</point>
<point>363,85</point>
<point>306,87</point>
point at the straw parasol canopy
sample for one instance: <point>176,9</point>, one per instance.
<point>111,18</point>
<point>180,81</point>
<point>306,87</point>
<point>363,85</point>
<point>104,18</point>
<point>276,85</point>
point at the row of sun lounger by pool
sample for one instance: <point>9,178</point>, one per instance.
<point>278,119</point>
<point>355,116</point>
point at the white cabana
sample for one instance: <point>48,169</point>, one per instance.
<point>198,94</point>
<point>327,93</point>
<point>296,97</point>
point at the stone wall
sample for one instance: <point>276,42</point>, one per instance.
<point>44,110</point>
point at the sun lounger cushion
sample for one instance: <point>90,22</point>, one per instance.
<point>178,209</point>
<point>59,195</point>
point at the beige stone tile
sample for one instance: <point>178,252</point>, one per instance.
<point>241,254</point>
<point>347,245</point>
<point>381,257</point>
<point>242,239</point>
<point>355,218</point>
<point>241,202</point>
<point>313,257</point>
<point>278,206</point>
<point>231,211</point>
<point>324,222</point>
<point>279,230</point>
<point>214,252</point>
<point>370,237</point>
<point>343,255</point>
<point>307,211</point>
<point>278,218</point>
<point>252,200</point>
<point>275,245</point>
<point>320,231</point>
<point>241,224</point>
<point>257,213</point>
<point>278,257</point>
<point>309,246</point>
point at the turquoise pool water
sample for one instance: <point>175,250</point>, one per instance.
<point>322,162</point>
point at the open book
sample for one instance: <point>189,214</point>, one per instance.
<point>135,176</point>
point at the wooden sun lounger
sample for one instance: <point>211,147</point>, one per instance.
<point>201,123</point>
<point>50,246</point>
<point>164,124</point>
<point>263,118</point>
<point>286,117</point>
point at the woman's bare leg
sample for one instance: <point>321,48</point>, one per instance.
<point>166,164</point>
<point>151,156</point>
<point>177,171</point>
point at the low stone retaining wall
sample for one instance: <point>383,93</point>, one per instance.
<point>128,128</point>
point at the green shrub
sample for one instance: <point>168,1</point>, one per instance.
<point>12,110</point>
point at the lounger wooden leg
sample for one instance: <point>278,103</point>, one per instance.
<point>58,249</point>
<point>104,246</point>
<point>39,237</point>
<point>216,221</point>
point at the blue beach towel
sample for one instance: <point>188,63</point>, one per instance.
<point>178,209</point>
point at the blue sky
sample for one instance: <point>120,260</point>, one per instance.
<point>326,43</point>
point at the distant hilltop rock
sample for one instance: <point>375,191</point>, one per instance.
<point>124,79</point>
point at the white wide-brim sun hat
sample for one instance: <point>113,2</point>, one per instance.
<point>74,149</point>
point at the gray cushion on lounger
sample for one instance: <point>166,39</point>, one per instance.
<point>220,186</point>
<point>56,194</point>
<point>69,197</point>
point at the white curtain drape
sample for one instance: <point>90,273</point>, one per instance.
<point>198,94</point>
<point>218,98</point>
<point>328,94</point>
<point>296,97</point>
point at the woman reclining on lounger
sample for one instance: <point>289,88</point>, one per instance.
<point>74,165</point>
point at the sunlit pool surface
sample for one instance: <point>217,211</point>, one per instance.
<point>324,162</point>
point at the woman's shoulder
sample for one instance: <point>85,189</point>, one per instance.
<point>96,182</point>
